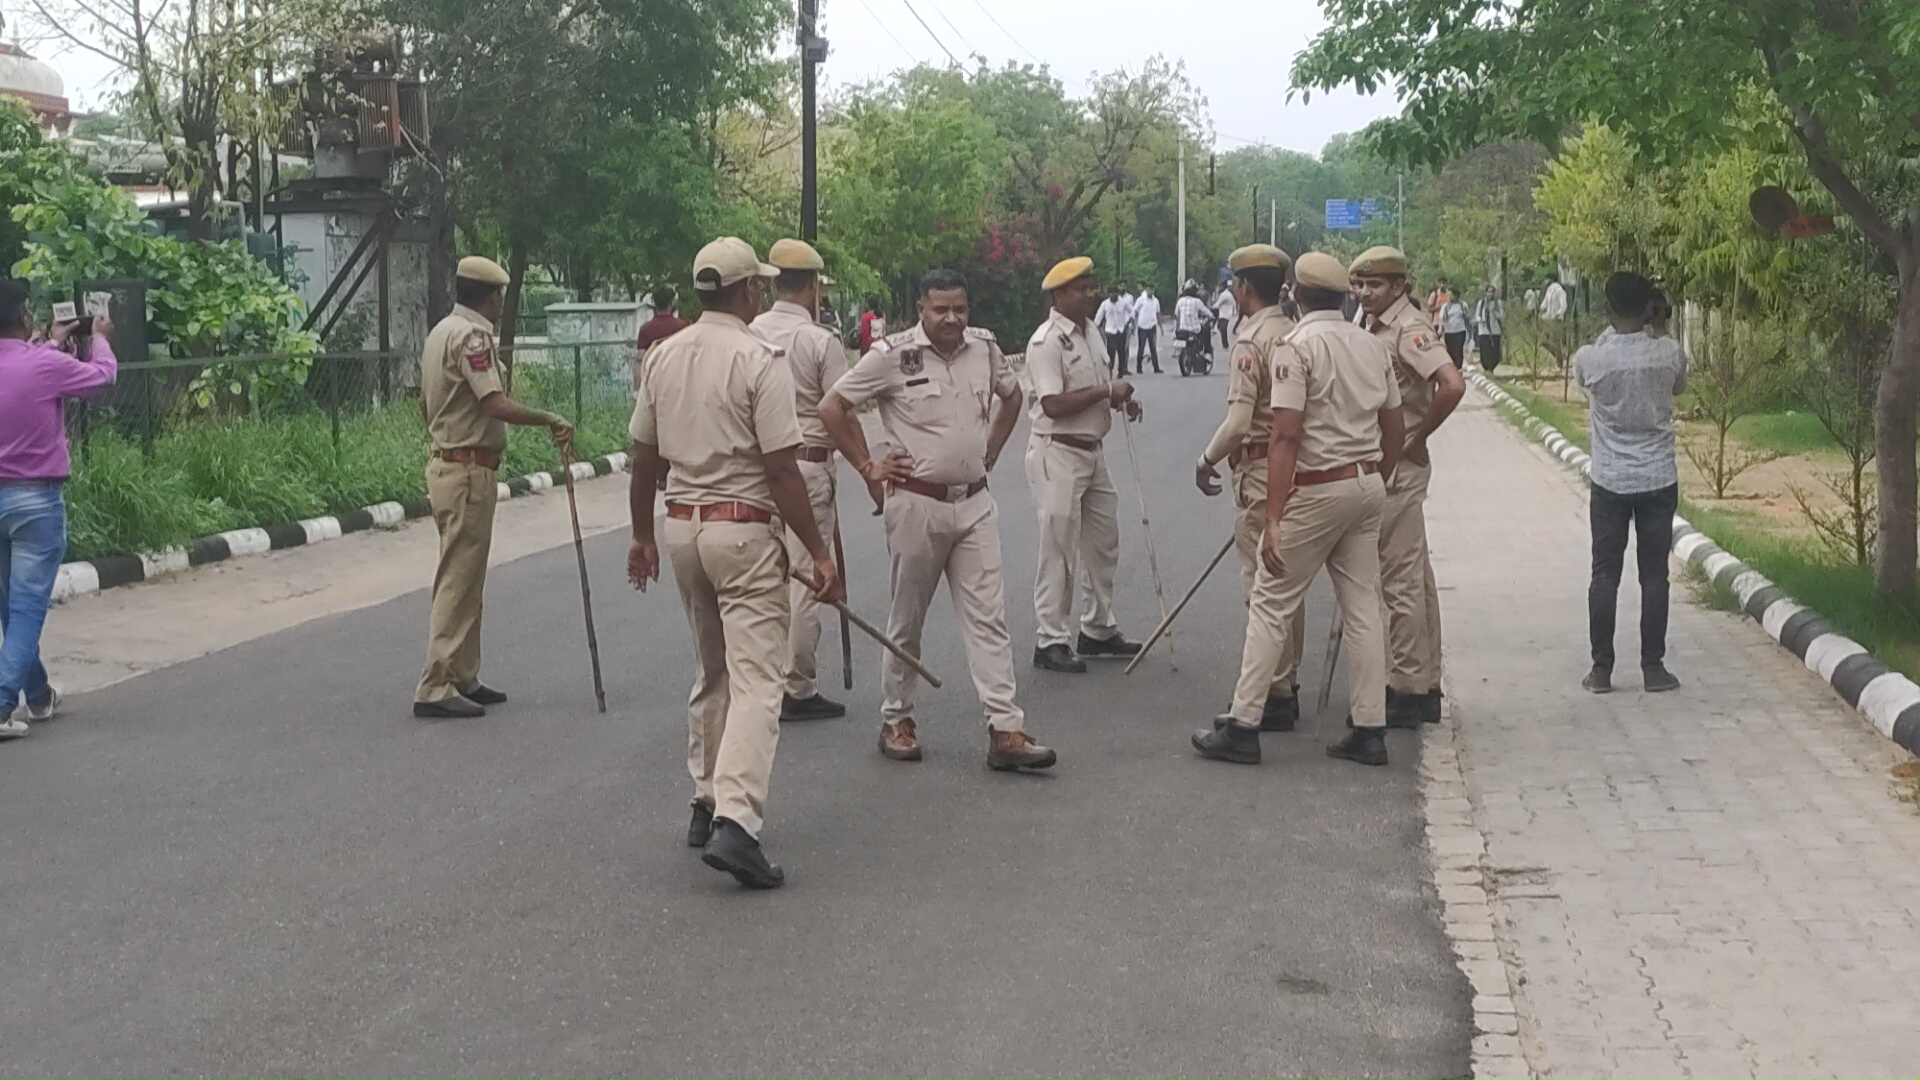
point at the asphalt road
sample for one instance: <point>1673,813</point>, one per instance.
<point>258,863</point>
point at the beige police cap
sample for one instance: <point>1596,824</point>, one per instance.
<point>481,269</point>
<point>1253,255</point>
<point>1066,270</point>
<point>727,260</point>
<point>1319,270</point>
<point>795,255</point>
<point>1382,260</point>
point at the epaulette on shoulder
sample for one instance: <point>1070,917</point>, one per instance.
<point>982,333</point>
<point>1039,335</point>
<point>901,337</point>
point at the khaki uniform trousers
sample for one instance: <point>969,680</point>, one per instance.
<point>929,538</point>
<point>732,578</point>
<point>1335,525</point>
<point>463,497</point>
<point>803,636</point>
<point>1249,521</point>
<point>1406,584</point>
<point>1079,539</point>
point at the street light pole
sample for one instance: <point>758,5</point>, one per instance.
<point>1181,255</point>
<point>813,51</point>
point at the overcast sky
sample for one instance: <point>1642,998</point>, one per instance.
<point>1237,51</point>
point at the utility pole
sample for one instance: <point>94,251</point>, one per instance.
<point>1273,222</point>
<point>1181,256</point>
<point>1256,214</point>
<point>813,52</point>
<point>1400,214</point>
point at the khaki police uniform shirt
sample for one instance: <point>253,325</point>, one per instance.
<point>1340,377</point>
<point>814,357</point>
<point>459,367</point>
<point>1063,357</point>
<point>1250,379</point>
<point>714,398</point>
<point>1418,352</point>
<point>938,410</point>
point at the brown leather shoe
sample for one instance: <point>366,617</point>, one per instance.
<point>1014,750</point>
<point>897,741</point>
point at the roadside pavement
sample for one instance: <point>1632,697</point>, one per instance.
<point>1719,881</point>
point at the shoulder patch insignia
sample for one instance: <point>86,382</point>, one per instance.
<point>1422,340</point>
<point>478,349</point>
<point>1281,371</point>
<point>911,361</point>
<point>1246,364</point>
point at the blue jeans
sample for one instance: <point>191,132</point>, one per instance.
<point>33,539</point>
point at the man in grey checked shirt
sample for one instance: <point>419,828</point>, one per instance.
<point>1631,378</point>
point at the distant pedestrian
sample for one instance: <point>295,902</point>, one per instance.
<point>34,464</point>
<point>1631,378</point>
<point>467,411</point>
<point>1490,324</point>
<point>1116,324</point>
<point>1553,302</point>
<point>1437,302</point>
<point>1453,328</point>
<point>873,324</point>
<point>1146,323</point>
<point>1660,315</point>
<point>1227,310</point>
<point>663,325</point>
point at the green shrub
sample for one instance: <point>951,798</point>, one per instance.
<point>121,502</point>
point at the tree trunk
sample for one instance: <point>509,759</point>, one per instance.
<point>510,308</point>
<point>1896,554</point>
<point>440,261</point>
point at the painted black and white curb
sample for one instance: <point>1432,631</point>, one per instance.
<point>80,578</point>
<point>1887,699</point>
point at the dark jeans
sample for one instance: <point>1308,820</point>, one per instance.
<point>1651,515</point>
<point>1117,352</point>
<point>1225,341</point>
<point>1149,343</point>
<point>1457,348</point>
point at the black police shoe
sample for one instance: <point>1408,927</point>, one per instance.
<point>732,850</point>
<point>1658,679</point>
<point>1115,647</point>
<point>1430,707</point>
<point>1598,681</point>
<point>1229,740</point>
<point>700,829</point>
<point>1058,658</point>
<point>1403,709</point>
<point>1281,713</point>
<point>794,709</point>
<point>453,708</point>
<point>1365,745</point>
<point>482,694</point>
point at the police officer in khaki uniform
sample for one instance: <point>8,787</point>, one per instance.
<point>936,385</point>
<point>1430,387</point>
<point>1074,395</point>
<point>1259,281</point>
<point>1337,436</point>
<point>816,359</point>
<point>717,404</point>
<point>467,411</point>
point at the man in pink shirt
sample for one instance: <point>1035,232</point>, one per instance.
<point>33,469</point>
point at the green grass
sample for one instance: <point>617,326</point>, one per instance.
<point>1570,419</point>
<point>1786,433</point>
<point>211,474</point>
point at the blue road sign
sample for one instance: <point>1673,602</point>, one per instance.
<point>1345,214</point>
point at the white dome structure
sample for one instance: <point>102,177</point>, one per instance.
<point>37,84</point>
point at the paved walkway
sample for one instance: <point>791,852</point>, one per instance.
<point>1717,882</point>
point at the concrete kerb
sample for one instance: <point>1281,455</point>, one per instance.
<point>80,578</point>
<point>1886,699</point>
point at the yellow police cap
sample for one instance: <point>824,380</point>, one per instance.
<point>1382,260</point>
<point>1318,270</point>
<point>481,269</point>
<point>1066,270</point>
<point>727,260</point>
<point>795,255</point>
<point>1258,255</point>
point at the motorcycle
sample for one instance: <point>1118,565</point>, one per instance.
<point>1196,351</point>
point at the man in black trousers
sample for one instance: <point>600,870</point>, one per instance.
<point>1631,378</point>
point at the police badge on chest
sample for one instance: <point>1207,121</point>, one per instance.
<point>911,361</point>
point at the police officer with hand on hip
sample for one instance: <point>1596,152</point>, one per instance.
<point>1430,387</point>
<point>1259,282</point>
<point>1336,439</point>
<point>717,403</point>
<point>467,411</point>
<point>1074,397</point>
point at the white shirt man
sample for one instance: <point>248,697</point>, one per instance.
<point>1115,315</point>
<point>1553,303</point>
<point>1146,311</point>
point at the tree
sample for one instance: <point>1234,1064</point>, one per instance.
<point>1836,75</point>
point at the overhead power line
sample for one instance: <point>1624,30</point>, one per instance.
<point>936,37</point>
<point>956,30</point>
<point>883,29</point>
<point>1016,41</point>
